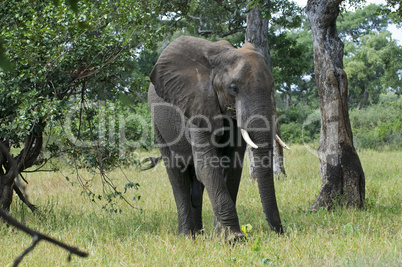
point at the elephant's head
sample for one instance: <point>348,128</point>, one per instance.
<point>208,80</point>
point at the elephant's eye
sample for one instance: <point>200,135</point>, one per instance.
<point>233,89</point>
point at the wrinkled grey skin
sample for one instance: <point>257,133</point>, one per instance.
<point>201,94</point>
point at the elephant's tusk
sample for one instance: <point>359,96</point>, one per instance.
<point>247,138</point>
<point>279,140</point>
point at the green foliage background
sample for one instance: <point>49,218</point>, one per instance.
<point>94,57</point>
<point>377,126</point>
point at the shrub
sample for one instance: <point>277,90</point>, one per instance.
<point>378,126</point>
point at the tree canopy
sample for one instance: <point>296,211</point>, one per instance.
<point>373,66</point>
<point>59,59</point>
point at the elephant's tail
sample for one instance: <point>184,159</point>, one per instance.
<point>149,163</point>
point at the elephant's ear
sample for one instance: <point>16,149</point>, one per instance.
<point>182,77</point>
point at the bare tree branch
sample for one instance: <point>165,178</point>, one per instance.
<point>232,32</point>
<point>32,148</point>
<point>36,238</point>
<point>29,249</point>
<point>200,30</point>
<point>23,198</point>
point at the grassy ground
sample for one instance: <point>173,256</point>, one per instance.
<point>369,237</point>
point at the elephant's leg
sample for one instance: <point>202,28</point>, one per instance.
<point>234,167</point>
<point>180,180</point>
<point>234,157</point>
<point>210,172</point>
<point>197,191</point>
<point>181,185</point>
<point>223,206</point>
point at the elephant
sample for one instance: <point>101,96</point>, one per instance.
<point>208,100</point>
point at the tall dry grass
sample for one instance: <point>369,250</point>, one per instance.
<point>147,236</point>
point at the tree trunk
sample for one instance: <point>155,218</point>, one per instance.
<point>288,100</point>
<point>8,172</point>
<point>6,195</point>
<point>257,34</point>
<point>341,171</point>
<point>10,167</point>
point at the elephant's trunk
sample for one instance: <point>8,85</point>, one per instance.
<point>265,179</point>
<point>257,122</point>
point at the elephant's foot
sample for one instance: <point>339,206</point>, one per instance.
<point>230,235</point>
<point>193,232</point>
<point>233,238</point>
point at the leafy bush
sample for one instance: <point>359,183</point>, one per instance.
<point>378,126</point>
<point>104,133</point>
